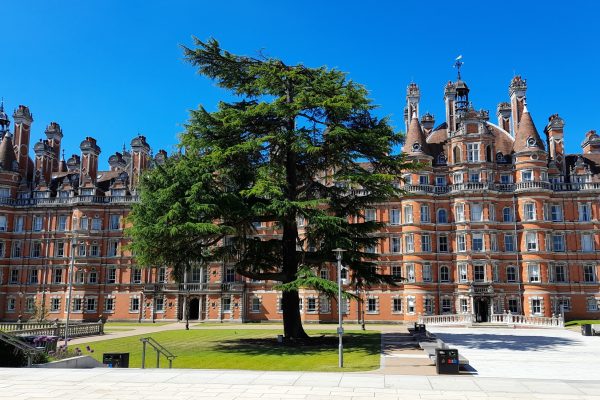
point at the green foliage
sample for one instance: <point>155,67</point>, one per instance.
<point>298,142</point>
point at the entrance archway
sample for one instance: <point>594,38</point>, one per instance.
<point>482,309</point>
<point>194,308</point>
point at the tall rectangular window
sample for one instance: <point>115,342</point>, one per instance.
<point>511,274</point>
<point>114,222</point>
<point>113,247</point>
<point>410,272</point>
<point>84,223</point>
<point>411,304</point>
<point>587,242</point>
<point>476,212</point>
<point>409,244</point>
<point>57,275</point>
<point>462,273</point>
<point>109,304</point>
<point>464,306</point>
<point>397,305</point>
<point>111,275</point>
<point>443,243</point>
<point>556,212</point>
<point>513,306</point>
<point>136,275</point>
<point>134,304</point>
<point>560,273</point>
<point>428,305</point>
<point>536,306</point>
<point>33,276</point>
<point>96,224</point>
<point>427,273</point>
<point>62,223</point>
<point>423,180</point>
<point>38,222</point>
<point>531,241</point>
<point>54,304</point>
<point>479,272</point>
<point>534,272</point>
<point>425,213</point>
<point>394,216</point>
<point>408,214</point>
<point>395,245</point>
<point>229,274</point>
<point>558,242</point>
<point>477,242</point>
<point>162,275</point>
<point>3,223</point>
<point>529,211</point>
<point>446,305</point>
<point>589,273</point>
<point>460,212</point>
<point>585,212</point>
<point>36,249</point>
<point>509,242</point>
<point>473,152</point>
<point>527,175</point>
<point>20,224</point>
<point>425,243</point>
<point>16,249</point>
<point>461,242</point>
<point>60,249</point>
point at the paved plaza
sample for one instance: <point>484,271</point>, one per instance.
<point>526,353</point>
<point>507,364</point>
<point>194,384</point>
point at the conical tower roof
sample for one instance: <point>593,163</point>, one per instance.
<point>527,136</point>
<point>415,139</point>
<point>7,154</point>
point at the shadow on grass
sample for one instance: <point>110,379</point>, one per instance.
<point>367,344</point>
<point>505,342</point>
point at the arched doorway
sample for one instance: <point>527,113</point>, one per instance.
<point>482,309</point>
<point>194,308</point>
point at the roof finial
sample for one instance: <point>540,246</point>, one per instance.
<point>457,64</point>
<point>2,104</point>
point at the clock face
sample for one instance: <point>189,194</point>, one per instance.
<point>531,142</point>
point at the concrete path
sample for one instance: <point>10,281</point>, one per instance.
<point>104,383</point>
<point>526,353</point>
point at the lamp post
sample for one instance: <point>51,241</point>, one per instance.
<point>70,283</point>
<point>340,330</point>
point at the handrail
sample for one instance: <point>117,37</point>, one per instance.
<point>24,347</point>
<point>160,349</point>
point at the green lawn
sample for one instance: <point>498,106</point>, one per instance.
<point>582,322</point>
<point>243,349</point>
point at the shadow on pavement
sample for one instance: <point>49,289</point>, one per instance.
<point>505,342</point>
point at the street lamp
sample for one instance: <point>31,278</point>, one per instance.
<point>70,283</point>
<point>340,330</point>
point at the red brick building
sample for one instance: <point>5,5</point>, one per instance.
<point>500,219</point>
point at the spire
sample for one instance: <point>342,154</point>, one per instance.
<point>4,121</point>
<point>415,139</point>
<point>527,137</point>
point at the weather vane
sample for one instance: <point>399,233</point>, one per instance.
<point>457,64</point>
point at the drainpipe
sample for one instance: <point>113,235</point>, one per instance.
<point>520,275</point>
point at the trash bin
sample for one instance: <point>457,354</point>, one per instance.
<point>586,330</point>
<point>420,328</point>
<point>116,360</point>
<point>446,361</point>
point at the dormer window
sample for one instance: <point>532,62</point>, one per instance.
<point>531,142</point>
<point>441,159</point>
<point>500,157</point>
<point>416,147</point>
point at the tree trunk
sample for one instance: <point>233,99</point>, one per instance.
<point>292,323</point>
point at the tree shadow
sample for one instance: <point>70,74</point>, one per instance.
<point>363,343</point>
<point>505,342</point>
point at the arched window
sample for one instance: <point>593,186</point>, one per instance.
<point>488,154</point>
<point>444,274</point>
<point>456,154</point>
<point>506,214</point>
<point>441,159</point>
<point>442,217</point>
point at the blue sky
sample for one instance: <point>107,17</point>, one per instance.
<point>111,69</point>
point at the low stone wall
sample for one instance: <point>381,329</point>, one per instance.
<point>73,362</point>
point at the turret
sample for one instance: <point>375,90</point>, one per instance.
<point>22,131</point>
<point>140,153</point>
<point>89,158</point>
<point>413,96</point>
<point>54,137</point>
<point>427,122</point>
<point>414,143</point>
<point>503,113</point>
<point>591,143</point>
<point>44,157</point>
<point>555,139</point>
<point>516,91</point>
<point>4,121</point>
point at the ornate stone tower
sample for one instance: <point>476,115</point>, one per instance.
<point>503,113</point>
<point>413,96</point>
<point>140,158</point>
<point>22,127</point>
<point>89,158</point>
<point>556,146</point>
<point>54,136</point>
<point>516,91</point>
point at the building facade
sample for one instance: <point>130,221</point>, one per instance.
<point>499,219</point>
